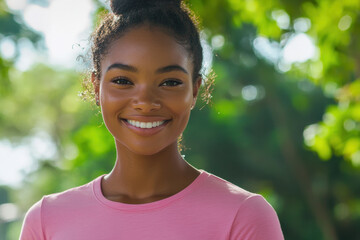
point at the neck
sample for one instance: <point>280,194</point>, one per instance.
<point>141,176</point>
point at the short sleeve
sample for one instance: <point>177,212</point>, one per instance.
<point>32,225</point>
<point>256,220</point>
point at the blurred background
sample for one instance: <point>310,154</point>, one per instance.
<point>284,119</point>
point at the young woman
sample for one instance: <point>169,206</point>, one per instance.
<point>147,59</point>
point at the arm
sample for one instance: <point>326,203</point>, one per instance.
<point>32,225</point>
<point>256,220</point>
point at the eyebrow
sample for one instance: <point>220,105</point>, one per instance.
<point>171,68</point>
<point>165,69</point>
<point>122,66</point>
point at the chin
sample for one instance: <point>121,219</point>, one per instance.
<point>149,150</point>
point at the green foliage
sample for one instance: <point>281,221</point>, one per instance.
<point>334,28</point>
<point>40,102</point>
<point>258,131</point>
<point>338,131</point>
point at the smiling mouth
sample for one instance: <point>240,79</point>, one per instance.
<point>145,124</point>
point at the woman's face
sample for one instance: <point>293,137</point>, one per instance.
<point>146,90</point>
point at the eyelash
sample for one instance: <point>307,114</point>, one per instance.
<point>173,81</point>
<point>117,81</point>
<point>121,80</point>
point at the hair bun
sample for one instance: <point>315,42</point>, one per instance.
<point>119,7</point>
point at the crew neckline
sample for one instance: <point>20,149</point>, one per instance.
<point>146,206</point>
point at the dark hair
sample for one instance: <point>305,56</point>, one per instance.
<point>167,14</point>
<point>171,15</point>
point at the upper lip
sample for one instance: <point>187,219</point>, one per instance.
<point>146,118</point>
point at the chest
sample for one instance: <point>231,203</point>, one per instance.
<point>177,224</point>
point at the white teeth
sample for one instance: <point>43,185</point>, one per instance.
<point>145,124</point>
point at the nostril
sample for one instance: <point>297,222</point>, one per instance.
<point>146,106</point>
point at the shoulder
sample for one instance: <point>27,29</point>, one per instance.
<point>256,219</point>
<point>32,226</point>
<point>80,193</point>
<point>252,216</point>
<point>52,205</point>
<point>226,191</point>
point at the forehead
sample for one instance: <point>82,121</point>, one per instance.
<point>147,47</point>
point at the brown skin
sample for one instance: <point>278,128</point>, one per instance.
<point>148,167</point>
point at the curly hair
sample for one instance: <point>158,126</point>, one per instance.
<point>173,16</point>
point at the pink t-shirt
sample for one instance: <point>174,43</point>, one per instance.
<point>209,208</point>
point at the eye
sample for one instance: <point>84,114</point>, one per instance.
<point>171,83</point>
<point>121,81</point>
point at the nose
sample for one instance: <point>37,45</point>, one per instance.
<point>145,100</point>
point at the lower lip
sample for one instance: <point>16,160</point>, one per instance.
<point>145,131</point>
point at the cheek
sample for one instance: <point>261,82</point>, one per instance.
<point>179,100</point>
<point>110,97</point>
<point>111,104</point>
<point>112,101</point>
<point>106,94</point>
<point>181,106</point>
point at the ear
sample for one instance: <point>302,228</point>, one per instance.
<point>96,83</point>
<point>196,87</point>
